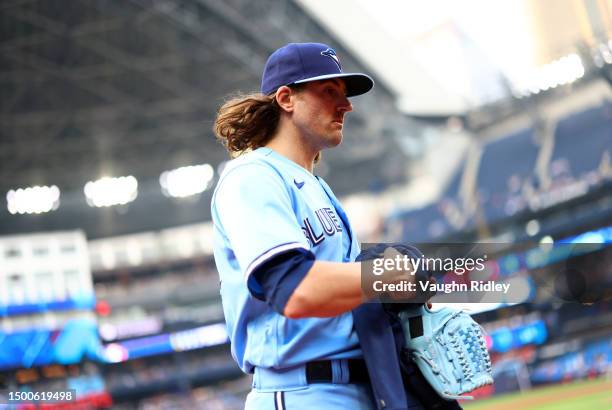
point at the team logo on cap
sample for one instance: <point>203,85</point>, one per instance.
<point>332,54</point>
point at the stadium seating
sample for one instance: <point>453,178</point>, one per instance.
<point>507,180</point>
<point>505,166</point>
<point>580,142</point>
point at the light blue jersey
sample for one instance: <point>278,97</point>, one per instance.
<point>265,204</point>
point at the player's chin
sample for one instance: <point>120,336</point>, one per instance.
<point>334,136</point>
<point>335,139</point>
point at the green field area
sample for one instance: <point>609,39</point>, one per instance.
<point>582,395</point>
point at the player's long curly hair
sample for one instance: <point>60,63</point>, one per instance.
<point>247,122</point>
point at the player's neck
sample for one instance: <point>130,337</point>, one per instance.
<point>294,148</point>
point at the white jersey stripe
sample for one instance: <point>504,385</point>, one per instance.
<point>279,400</point>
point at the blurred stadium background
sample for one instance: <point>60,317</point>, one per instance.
<point>491,121</point>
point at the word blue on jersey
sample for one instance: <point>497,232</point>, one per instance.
<point>265,204</point>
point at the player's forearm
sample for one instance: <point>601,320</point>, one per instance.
<point>329,289</point>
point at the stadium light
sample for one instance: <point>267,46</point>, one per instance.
<point>563,71</point>
<point>115,353</point>
<point>33,200</point>
<point>532,227</point>
<point>547,240</point>
<point>602,54</point>
<point>111,191</point>
<point>605,53</point>
<point>186,181</point>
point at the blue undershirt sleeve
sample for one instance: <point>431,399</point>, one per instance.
<point>277,278</point>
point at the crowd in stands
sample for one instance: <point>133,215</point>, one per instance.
<point>511,178</point>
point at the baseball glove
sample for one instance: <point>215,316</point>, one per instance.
<point>449,348</point>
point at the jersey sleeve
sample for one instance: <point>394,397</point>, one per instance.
<point>254,209</point>
<point>278,277</point>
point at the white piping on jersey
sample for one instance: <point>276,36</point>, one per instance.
<point>279,402</point>
<point>268,254</point>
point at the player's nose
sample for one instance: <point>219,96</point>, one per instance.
<point>345,105</point>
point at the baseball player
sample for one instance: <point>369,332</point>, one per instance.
<point>283,245</point>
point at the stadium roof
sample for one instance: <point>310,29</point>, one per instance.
<point>111,88</point>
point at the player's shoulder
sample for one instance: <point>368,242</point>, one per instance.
<point>251,165</point>
<point>256,167</point>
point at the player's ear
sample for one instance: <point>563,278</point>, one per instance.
<point>284,98</point>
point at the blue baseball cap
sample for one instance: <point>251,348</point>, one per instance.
<point>298,63</point>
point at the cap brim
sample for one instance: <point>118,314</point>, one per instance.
<point>356,83</point>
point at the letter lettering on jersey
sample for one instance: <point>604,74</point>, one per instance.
<point>305,232</point>
<point>311,235</point>
<point>333,217</point>
<point>326,222</point>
